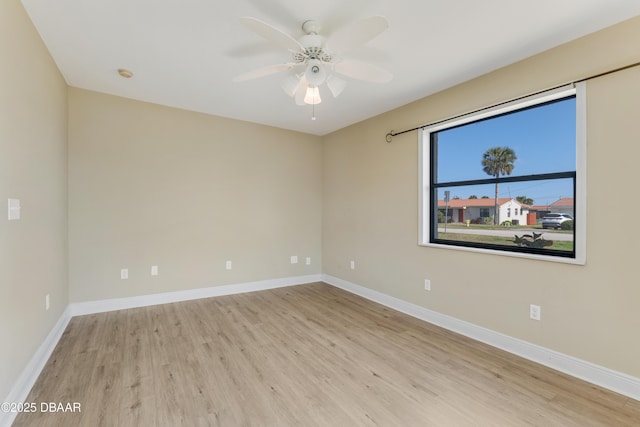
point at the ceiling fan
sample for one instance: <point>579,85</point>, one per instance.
<point>316,59</point>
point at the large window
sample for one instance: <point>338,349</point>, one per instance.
<point>491,180</point>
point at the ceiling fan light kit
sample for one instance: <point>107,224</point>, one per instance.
<point>290,84</point>
<point>315,72</point>
<point>317,60</point>
<point>312,96</point>
<point>336,85</point>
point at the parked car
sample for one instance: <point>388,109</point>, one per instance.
<point>553,220</point>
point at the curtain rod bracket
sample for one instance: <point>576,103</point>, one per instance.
<point>389,137</point>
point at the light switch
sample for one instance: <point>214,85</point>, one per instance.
<point>14,209</point>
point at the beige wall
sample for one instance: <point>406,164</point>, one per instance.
<point>370,212</point>
<point>33,251</point>
<point>152,185</point>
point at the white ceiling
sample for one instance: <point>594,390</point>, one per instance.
<point>185,53</point>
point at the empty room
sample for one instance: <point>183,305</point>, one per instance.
<point>296,213</point>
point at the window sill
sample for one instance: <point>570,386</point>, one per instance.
<point>578,260</point>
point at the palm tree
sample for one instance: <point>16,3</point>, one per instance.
<point>525,200</point>
<point>498,161</point>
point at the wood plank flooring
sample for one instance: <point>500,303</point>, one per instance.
<point>310,355</point>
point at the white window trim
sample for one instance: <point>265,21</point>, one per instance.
<point>424,184</point>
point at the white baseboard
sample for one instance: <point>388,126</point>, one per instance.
<point>91,307</point>
<point>587,371</point>
<point>31,372</point>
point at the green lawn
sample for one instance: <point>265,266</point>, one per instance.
<point>536,227</point>
<point>497,240</point>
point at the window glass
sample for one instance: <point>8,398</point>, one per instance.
<point>543,138</point>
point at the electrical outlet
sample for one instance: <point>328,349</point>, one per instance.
<point>124,273</point>
<point>47,301</point>
<point>353,265</point>
<point>308,260</point>
<point>534,312</point>
<point>294,259</point>
<point>229,265</point>
<point>154,270</point>
<point>427,284</point>
<point>14,209</point>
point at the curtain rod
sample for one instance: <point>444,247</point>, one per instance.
<point>391,134</point>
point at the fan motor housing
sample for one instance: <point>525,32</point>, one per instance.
<point>313,49</point>
<point>311,27</point>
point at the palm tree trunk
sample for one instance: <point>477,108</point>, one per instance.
<point>496,214</point>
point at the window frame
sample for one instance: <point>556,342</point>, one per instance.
<point>580,207</point>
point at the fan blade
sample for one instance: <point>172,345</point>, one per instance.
<point>356,34</point>
<point>301,90</point>
<point>271,33</point>
<point>363,71</point>
<point>262,72</point>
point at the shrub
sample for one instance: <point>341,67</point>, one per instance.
<point>506,223</point>
<point>441,218</point>
<point>567,225</point>
<point>533,240</point>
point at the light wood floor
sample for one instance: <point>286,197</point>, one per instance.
<point>309,355</point>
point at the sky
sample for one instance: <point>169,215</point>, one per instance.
<point>543,138</point>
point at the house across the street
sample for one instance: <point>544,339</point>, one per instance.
<point>562,205</point>
<point>481,210</point>
<point>476,210</point>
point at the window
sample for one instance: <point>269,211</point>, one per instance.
<point>522,157</point>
